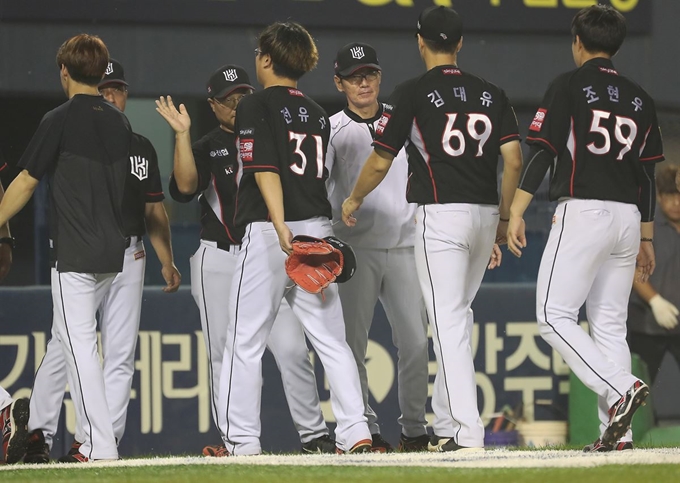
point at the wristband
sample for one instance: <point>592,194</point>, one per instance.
<point>647,240</point>
<point>9,241</point>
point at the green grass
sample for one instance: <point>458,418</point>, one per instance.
<point>324,474</point>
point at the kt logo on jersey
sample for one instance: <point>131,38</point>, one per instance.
<point>139,167</point>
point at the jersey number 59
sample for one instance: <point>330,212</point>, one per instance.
<point>624,138</point>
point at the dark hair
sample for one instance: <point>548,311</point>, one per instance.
<point>448,47</point>
<point>601,28</point>
<point>291,48</point>
<point>665,179</point>
<point>85,57</point>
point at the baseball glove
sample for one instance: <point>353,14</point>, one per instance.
<point>314,263</point>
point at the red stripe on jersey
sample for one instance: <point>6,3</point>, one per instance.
<point>3,166</point>
<point>251,166</point>
<point>224,224</point>
<point>427,162</point>
<point>154,194</point>
<point>543,141</point>
<point>387,148</point>
<point>652,158</point>
<point>510,136</point>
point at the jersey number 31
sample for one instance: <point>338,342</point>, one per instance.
<point>299,169</point>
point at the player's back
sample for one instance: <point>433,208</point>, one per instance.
<point>460,122</point>
<point>88,184</point>
<point>283,131</point>
<point>609,123</point>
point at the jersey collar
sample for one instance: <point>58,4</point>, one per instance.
<point>356,118</point>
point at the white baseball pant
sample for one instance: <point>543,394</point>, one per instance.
<point>212,271</point>
<point>590,257</point>
<point>453,246</point>
<point>119,314</point>
<point>260,283</point>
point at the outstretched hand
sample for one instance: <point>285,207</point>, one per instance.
<point>179,120</point>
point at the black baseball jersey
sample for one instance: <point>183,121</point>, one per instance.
<point>282,131</point>
<point>600,126</point>
<point>216,160</point>
<point>83,147</point>
<point>143,185</point>
<point>3,165</point>
<point>452,124</point>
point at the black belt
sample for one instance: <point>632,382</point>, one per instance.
<point>225,246</point>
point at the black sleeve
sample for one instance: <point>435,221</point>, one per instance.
<point>395,124</point>
<point>154,187</point>
<point>537,162</point>
<point>256,140</point>
<point>43,150</point>
<point>647,202</point>
<point>550,126</point>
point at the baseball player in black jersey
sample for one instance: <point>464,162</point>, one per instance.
<point>282,136</point>
<point>120,309</point>
<point>209,168</point>
<point>84,139</point>
<point>453,125</point>
<point>597,131</point>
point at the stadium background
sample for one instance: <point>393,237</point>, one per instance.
<point>172,47</point>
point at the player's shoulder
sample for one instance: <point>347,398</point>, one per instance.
<point>140,145</point>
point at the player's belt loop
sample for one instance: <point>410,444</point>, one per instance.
<point>132,240</point>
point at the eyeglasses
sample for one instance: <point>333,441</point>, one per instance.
<point>116,90</point>
<point>357,79</point>
<point>231,102</point>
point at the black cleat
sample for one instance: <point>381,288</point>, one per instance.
<point>37,452</point>
<point>14,425</point>
<point>411,445</point>
<point>444,445</point>
<point>621,413</point>
<point>322,444</point>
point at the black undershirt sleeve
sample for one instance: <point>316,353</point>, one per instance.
<point>536,164</point>
<point>647,203</point>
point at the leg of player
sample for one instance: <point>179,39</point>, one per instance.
<point>254,300</point>
<point>607,311</point>
<point>287,343</point>
<point>211,274</point>
<point>119,316</point>
<point>359,296</point>
<point>76,297</point>
<point>453,239</point>
<point>13,427</point>
<point>566,275</point>
<point>46,401</point>
<point>328,339</point>
<point>402,299</point>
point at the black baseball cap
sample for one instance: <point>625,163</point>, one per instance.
<point>440,24</point>
<point>355,56</point>
<point>114,74</point>
<point>226,80</point>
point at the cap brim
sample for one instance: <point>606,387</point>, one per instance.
<point>230,89</point>
<point>112,81</point>
<point>354,68</point>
